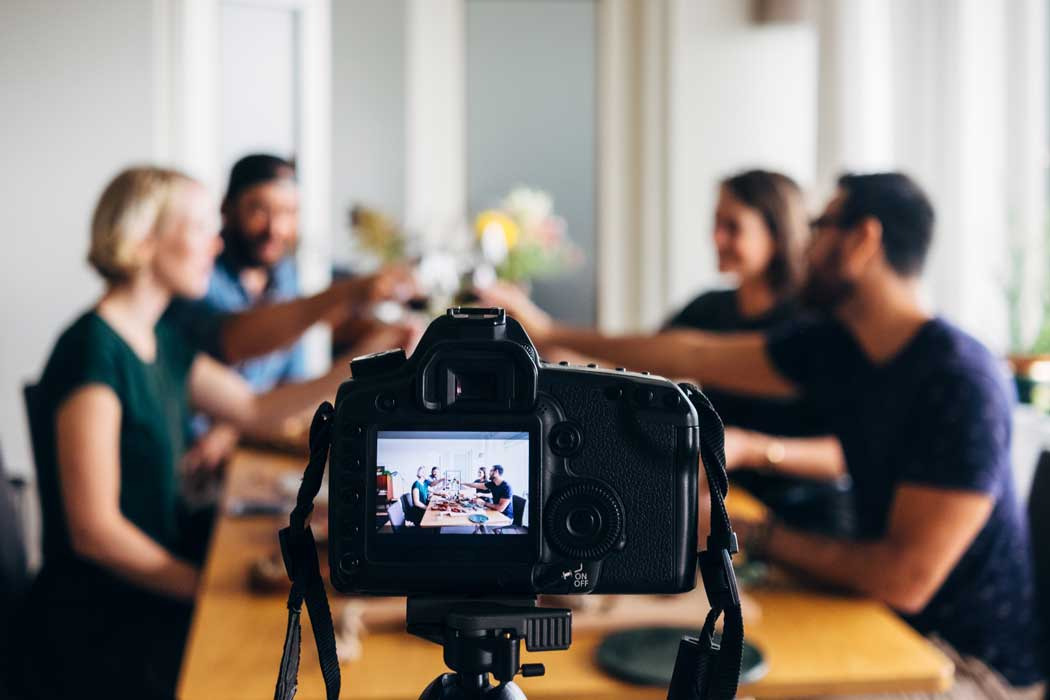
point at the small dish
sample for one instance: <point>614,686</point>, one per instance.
<point>646,656</point>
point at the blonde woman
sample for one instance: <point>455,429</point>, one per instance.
<point>112,604</point>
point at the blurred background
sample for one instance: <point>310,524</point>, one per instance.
<point>624,113</point>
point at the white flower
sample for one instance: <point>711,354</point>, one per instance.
<point>528,206</point>
<point>494,243</point>
<point>438,273</point>
<point>484,276</point>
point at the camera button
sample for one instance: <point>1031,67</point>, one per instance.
<point>349,563</point>
<point>564,363</point>
<point>386,402</point>
<point>621,369</point>
<point>584,522</point>
<point>673,400</point>
<point>644,396</point>
<point>592,365</point>
<point>565,439</point>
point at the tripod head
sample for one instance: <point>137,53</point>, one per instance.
<point>482,636</point>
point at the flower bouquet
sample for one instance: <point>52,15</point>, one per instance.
<point>518,241</point>
<point>522,239</point>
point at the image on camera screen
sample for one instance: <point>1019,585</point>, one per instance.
<point>452,482</point>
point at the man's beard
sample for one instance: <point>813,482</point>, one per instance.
<point>824,290</point>
<point>241,247</point>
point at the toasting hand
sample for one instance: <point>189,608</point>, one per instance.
<point>517,304</point>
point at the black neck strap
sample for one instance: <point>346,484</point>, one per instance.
<point>707,667</point>
<point>300,561</point>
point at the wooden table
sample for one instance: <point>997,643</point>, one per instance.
<point>815,643</point>
<point>435,518</point>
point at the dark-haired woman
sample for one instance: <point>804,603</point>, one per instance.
<point>780,448</point>
<point>760,229</point>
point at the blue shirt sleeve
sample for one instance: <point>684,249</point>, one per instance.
<point>806,351</point>
<point>295,369</point>
<point>967,418</point>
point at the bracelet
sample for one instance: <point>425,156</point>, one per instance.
<point>775,452</point>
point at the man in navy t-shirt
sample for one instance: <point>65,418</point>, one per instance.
<point>923,415</point>
<point>501,492</point>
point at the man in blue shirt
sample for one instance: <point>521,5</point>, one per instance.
<point>260,230</point>
<point>253,316</point>
<point>501,492</point>
<point>923,413</point>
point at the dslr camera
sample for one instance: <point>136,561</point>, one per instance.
<point>476,468</point>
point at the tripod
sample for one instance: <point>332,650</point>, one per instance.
<point>483,636</point>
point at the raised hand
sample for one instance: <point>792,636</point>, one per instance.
<point>517,303</point>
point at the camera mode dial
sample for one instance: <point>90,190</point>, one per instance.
<point>584,520</point>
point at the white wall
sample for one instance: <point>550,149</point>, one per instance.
<point>406,455</point>
<point>79,97</point>
<point>368,112</point>
<point>258,50</point>
<point>532,120</point>
<point>740,95</point>
<point>955,95</point>
<point>690,92</point>
<point>435,129</point>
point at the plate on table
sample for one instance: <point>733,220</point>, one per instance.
<point>646,656</point>
<point>478,518</point>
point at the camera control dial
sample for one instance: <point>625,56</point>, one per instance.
<point>584,520</point>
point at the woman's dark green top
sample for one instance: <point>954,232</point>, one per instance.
<point>718,312</point>
<point>154,409</point>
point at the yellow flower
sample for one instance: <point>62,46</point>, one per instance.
<point>496,218</point>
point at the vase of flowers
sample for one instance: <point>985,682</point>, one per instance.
<point>522,239</point>
<point>518,241</point>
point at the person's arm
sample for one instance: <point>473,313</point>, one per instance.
<point>221,393</point>
<point>929,530</point>
<point>499,507</point>
<point>736,361</point>
<point>212,448</point>
<point>267,328</point>
<point>811,458</point>
<point>88,448</point>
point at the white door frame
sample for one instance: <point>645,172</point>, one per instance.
<point>188,103</point>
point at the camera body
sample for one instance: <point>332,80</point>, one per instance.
<point>475,468</point>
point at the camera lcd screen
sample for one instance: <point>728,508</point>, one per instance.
<point>452,482</point>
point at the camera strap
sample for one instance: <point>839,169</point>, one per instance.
<point>300,561</point>
<point>708,666</point>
